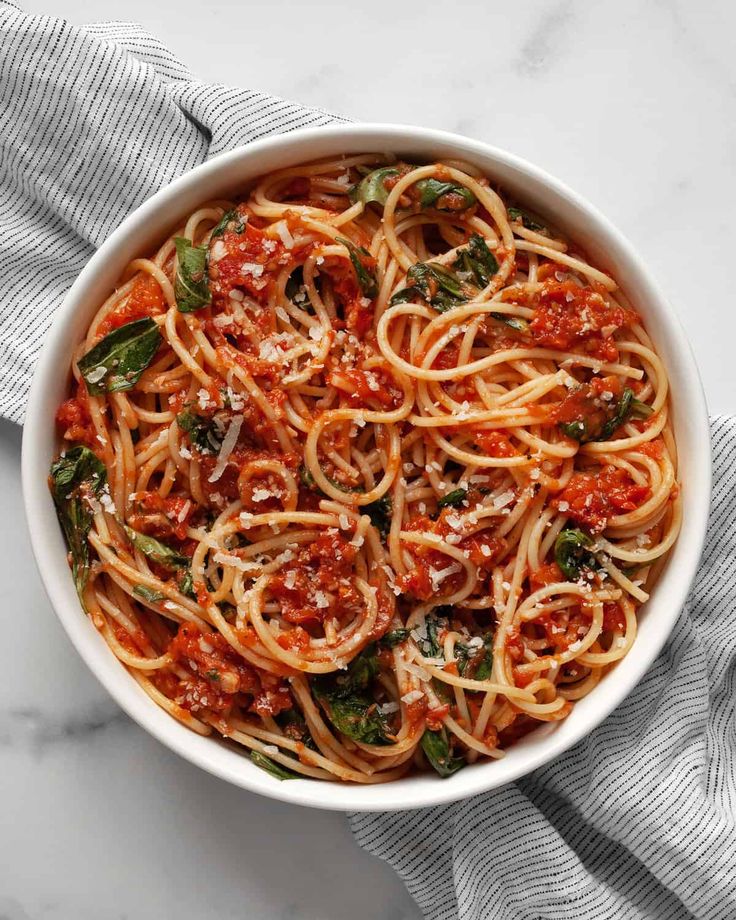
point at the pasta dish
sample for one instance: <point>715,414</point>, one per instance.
<point>367,470</point>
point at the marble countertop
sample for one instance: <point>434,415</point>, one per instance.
<point>631,103</point>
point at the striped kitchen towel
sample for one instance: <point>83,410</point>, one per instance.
<point>637,821</point>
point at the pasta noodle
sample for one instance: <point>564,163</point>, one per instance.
<point>367,471</point>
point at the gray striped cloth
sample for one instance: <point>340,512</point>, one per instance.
<point>637,821</point>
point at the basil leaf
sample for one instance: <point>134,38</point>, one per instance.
<point>74,480</point>
<point>405,295</point>
<point>366,277</point>
<point>434,623</point>
<point>447,280</point>
<point>270,766</point>
<point>626,407</point>
<point>640,409</point>
<point>357,717</point>
<point>346,699</point>
<point>477,260</point>
<point>393,638</point>
<point>572,554</point>
<point>117,361</point>
<point>155,550</point>
<point>228,217</point>
<point>357,677</point>
<point>434,284</point>
<point>153,597</point>
<point>203,432</point>
<point>577,430</point>
<point>526,219</point>
<point>452,499</point>
<point>372,187</point>
<point>436,747</point>
<point>185,583</point>
<point>514,322</point>
<point>306,478</point>
<point>588,428</point>
<point>432,191</point>
<point>191,285</point>
<point>478,659</point>
<point>380,514</point>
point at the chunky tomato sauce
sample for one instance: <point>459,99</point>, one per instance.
<point>592,498</point>
<point>74,421</point>
<point>590,403</point>
<point>574,318</point>
<point>216,673</point>
<point>318,582</point>
<point>145,299</point>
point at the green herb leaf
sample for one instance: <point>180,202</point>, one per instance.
<point>475,662</point>
<point>227,218</point>
<point>590,427</point>
<point>148,594</point>
<point>393,638</point>
<point>433,283</point>
<point>626,407</point>
<point>191,285</point>
<point>452,499</point>
<point>306,478</point>
<point>358,717</point>
<point>346,699</point>
<point>75,480</point>
<point>478,260</point>
<point>366,277</point>
<point>435,623</point>
<point>526,219</point>
<point>572,554</point>
<point>514,322</point>
<point>433,191</point>
<point>117,361</point>
<point>372,188</point>
<point>270,766</point>
<point>380,514</point>
<point>155,550</point>
<point>185,583</point>
<point>203,432</point>
<point>436,747</point>
<point>577,430</point>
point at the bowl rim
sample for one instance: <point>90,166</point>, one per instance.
<point>216,757</point>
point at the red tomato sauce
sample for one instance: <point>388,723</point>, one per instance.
<point>569,317</point>
<point>246,263</point>
<point>145,299</point>
<point>74,421</point>
<point>494,443</point>
<point>161,517</point>
<point>217,673</point>
<point>319,582</point>
<point>592,498</point>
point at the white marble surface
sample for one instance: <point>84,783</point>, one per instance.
<point>633,104</point>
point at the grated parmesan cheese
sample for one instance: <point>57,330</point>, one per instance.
<point>228,444</point>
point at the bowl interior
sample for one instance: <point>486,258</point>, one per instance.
<point>228,174</point>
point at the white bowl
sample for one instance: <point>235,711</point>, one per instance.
<point>225,175</point>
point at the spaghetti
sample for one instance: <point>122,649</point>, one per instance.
<point>367,472</point>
